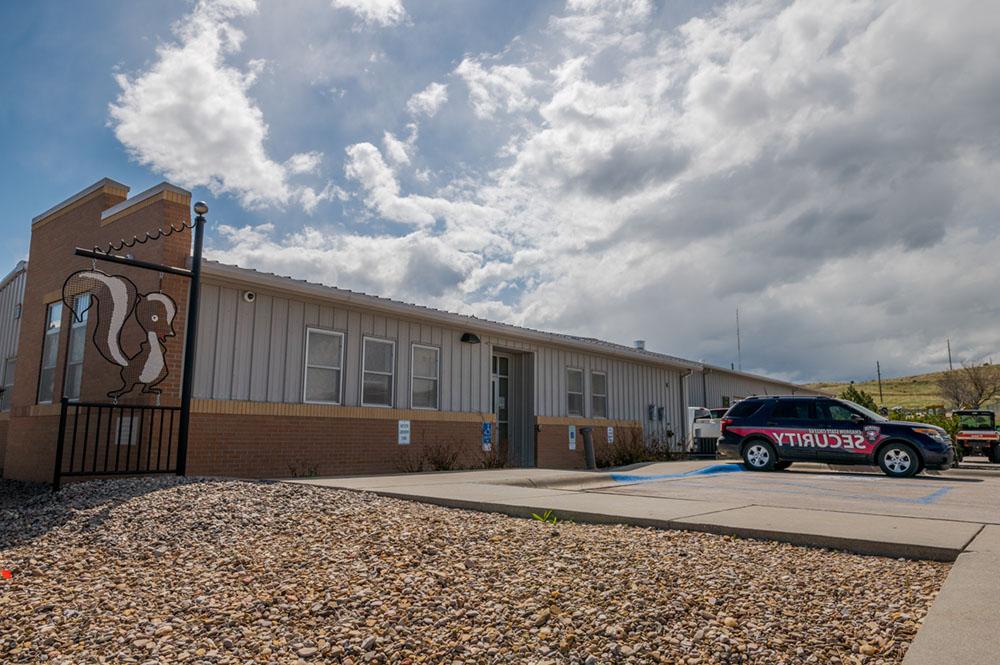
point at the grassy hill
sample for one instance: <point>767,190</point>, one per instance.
<point>918,391</point>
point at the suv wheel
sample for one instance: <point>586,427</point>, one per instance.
<point>759,456</point>
<point>995,453</point>
<point>898,460</point>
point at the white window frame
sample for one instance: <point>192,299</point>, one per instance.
<point>582,393</point>
<point>58,342</point>
<point>391,375</point>
<point>306,366</point>
<point>436,379</point>
<point>8,388</point>
<point>594,393</point>
<point>76,327</point>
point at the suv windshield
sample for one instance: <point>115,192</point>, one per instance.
<point>975,421</point>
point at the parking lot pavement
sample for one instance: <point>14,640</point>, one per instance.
<point>968,494</point>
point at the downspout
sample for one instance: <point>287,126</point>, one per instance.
<point>685,398</point>
<point>704,386</point>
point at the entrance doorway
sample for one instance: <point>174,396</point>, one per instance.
<point>501,395</point>
<point>512,390</point>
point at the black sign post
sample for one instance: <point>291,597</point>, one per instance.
<point>190,337</point>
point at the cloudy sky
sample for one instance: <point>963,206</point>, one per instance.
<point>616,168</point>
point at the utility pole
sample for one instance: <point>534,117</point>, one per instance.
<point>739,350</point>
<point>951,368</point>
<point>878,370</point>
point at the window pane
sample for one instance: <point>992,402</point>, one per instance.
<point>322,385</point>
<point>599,405</point>
<point>8,384</point>
<point>574,381</point>
<point>576,404</point>
<point>45,380</point>
<point>324,349</point>
<point>425,362</point>
<point>504,370</point>
<point>425,393</point>
<point>81,305</point>
<point>377,389</point>
<point>50,348</point>
<point>599,384</point>
<point>378,356</point>
<point>791,409</point>
<point>839,413</point>
<point>77,340</point>
<point>74,374</point>
<point>55,316</point>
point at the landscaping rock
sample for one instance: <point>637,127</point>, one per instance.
<point>200,570</point>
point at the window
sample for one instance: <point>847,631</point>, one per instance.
<point>598,394</point>
<point>838,412</point>
<point>793,409</point>
<point>379,357</point>
<point>744,409</point>
<point>8,383</point>
<point>574,389</point>
<point>424,380</point>
<point>324,358</point>
<point>50,353</point>
<point>77,343</point>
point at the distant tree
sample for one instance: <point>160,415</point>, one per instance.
<point>972,386</point>
<point>858,396</point>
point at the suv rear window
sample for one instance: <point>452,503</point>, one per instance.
<point>744,409</point>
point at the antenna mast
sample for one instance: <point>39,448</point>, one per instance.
<point>739,350</point>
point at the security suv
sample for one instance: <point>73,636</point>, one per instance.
<point>773,432</point>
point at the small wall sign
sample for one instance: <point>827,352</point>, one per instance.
<point>611,435</point>
<point>403,432</point>
<point>572,437</point>
<point>487,436</point>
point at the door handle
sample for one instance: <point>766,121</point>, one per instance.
<point>771,423</point>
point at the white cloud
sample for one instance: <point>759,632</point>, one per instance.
<point>817,163</point>
<point>190,117</point>
<point>304,162</point>
<point>376,12</point>
<point>429,100</point>
<point>498,87</point>
<point>398,151</point>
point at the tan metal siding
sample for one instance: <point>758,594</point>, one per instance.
<point>11,297</point>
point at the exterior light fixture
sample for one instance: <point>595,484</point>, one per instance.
<point>470,338</point>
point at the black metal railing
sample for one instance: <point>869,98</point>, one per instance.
<point>104,439</point>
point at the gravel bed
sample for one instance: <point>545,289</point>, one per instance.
<point>209,571</point>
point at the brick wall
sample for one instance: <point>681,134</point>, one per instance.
<point>553,440</point>
<point>30,449</point>
<point>268,446</point>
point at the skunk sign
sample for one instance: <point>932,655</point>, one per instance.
<point>119,304</point>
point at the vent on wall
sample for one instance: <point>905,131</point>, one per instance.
<point>249,296</point>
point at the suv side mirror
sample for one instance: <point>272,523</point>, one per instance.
<point>857,418</point>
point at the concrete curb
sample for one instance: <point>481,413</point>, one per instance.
<point>846,544</point>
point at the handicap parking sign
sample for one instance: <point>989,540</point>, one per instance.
<point>487,435</point>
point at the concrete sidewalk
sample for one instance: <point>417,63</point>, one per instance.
<point>683,495</point>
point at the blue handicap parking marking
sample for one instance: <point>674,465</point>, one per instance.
<point>713,470</point>
<point>779,484</point>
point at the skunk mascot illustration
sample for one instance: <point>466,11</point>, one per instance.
<point>118,302</point>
